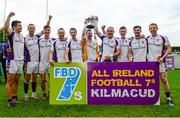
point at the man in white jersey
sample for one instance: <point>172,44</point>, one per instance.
<point>124,44</point>
<point>32,59</point>
<point>158,48</point>
<point>137,47</point>
<point>110,45</point>
<point>74,48</point>
<point>44,49</point>
<point>90,47</point>
<point>58,48</point>
<point>16,48</point>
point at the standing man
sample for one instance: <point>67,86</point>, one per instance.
<point>159,48</point>
<point>124,44</point>
<point>74,48</point>
<point>44,49</point>
<point>58,48</point>
<point>110,45</point>
<point>32,59</point>
<point>16,49</point>
<point>90,47</point>
<point>137,47</point>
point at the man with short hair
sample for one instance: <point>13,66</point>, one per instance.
<point>45,47</point>
<point>16,49</point>
<point>124,44</point>
<point>90,47</point>
<point>110,45</point>
<point>137,47</point>
<point>158,48</point>
<point>58,48</point>
<point>74,48</point>
<point>32,59</point>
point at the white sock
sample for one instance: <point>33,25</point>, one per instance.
<point>33,93</point>
<point>168,98</point>
<point>26,95</point>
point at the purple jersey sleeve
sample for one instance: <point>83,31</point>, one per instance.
<point>102,37</point>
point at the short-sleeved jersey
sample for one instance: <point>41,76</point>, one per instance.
<point>156,46</point>
<point>109,46</point>
<point>59,48</point>
<point>32,48</point>
<point>139,49</point>
<point>90,50</point>
<point>124,45</point>
<point>44,48</point>
<point>16,43</point>
<point>75,50</point>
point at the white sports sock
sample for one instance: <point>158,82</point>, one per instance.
<point>33,93</point>
<point>26,95</point>
<point>168,98</point>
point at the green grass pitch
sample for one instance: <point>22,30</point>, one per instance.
<point>42,108</point>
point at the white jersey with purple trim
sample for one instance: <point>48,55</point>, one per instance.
<point>139,49</point>
<point>60,48</point>
<point>18,46</point>
<point>31,43</point>
<point>109,46</point>
<point>75,47</point>
<point>155,46</point>
<point>124,45</point>
<point>16,43</point>
<point>44,48</point>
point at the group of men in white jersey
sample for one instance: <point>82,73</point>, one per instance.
<point>26,51</point>
<point>154,48</point>
<point>40,51</point>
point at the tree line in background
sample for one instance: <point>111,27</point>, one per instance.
<point>1,36</point>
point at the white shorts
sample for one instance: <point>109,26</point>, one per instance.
<point>16,66</point>
<point>44,68</point>
<point>162,67</point>
<point>32,67</point>
<point>123,60</point>
<point>77,60</point>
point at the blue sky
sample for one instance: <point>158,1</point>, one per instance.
<point>71,13</point>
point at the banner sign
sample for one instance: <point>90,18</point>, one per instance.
<point>68,83</point>
<point>127,83</point>
<point>169,61</point>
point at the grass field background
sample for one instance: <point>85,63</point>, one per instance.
<point>42,108</point>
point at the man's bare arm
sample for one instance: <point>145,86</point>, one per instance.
<point>167,51</point>
<point>103,29</point>
<point>7,22</point>
<point>98,33</point>
<point>51,57</point>
<point>66,55</point>
<point>47,24</point>
<point>129,54</point>
<point>117,53</point>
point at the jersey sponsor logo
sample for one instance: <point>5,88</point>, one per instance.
<point>92,46</point>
